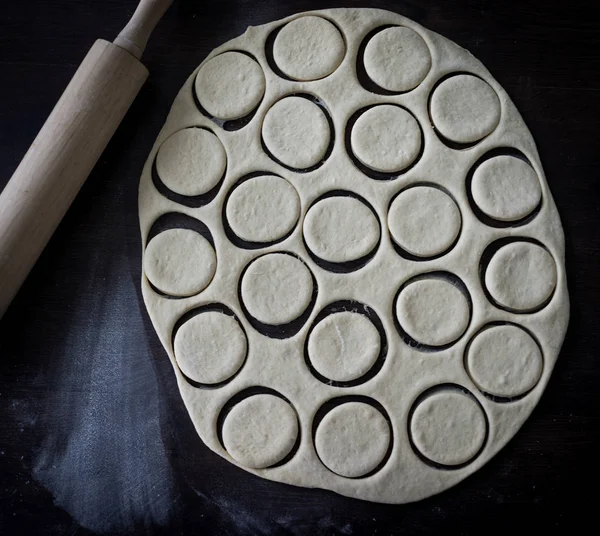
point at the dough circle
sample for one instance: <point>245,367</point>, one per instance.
<point>260,431</point>
<point>210,347</point>
<point>352,439</point>
<point>386,138</point>
<point>276,288</point>
<point>296,132</point>
<point>344,346</point>
<point>263,209</point>
<point>448,427</point>
<point>505,361</point>
<point>230,85</point>
<point>397,59</point>
<point>341,229</point>
<point>506,188</point>
<point>465,109</point>
<point>179,262</point>
<point>521,276</point>
<point>424,221</point>
<point>308,48</point>
<point>191,161</point>
<point>433,311</point>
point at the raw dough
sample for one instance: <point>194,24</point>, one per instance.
<point>433,311</point>
<point>210,347</point>
<point>230,85</point>
<point>260,431</point>
<point>179,262</point>
<point>308,48</point>
<point>296,132</point>
<point>397,431</point>
<point>191,161</point>
<point>397,59</point>
<point>344,346</point>
<point>263,209</point>
<point>521,276</point>
<point>504,361</point>
<point>352,439</point>
<point>276,288</point>
<point>386,138</point>
<point>341,229</point>
<point>506,188</point>
<point>465,109</point>
<point>424,221</point>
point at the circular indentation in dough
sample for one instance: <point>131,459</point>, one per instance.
<point>386,138</point>
<point>308,48</point>
<point>341,229</point>
<point>506,188</point>
<point>276,288</point>
<point>424,221</point>
<point>263,209</point>
<point>397,59</point>
<point>344,346</point>
<point>352,439</point>
<point>179,262</point>
<point>521,276</point>
<point>210,347</point>
<point>448,427</point>
<point>191,161</point>
<point>230,85</point>
<point>296,133</point>
<point>433,311</point>
<point>260,431</point>
<point>504,361</point>
<point>464,108</point>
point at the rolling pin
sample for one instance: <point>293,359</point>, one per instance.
<point>69,144</point>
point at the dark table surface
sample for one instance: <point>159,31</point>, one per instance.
<point>93,434</point>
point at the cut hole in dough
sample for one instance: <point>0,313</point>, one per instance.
<point>191,162</point>
<point>352,439</point>
<point>504,361</point>
<point>179,262</point>
<point>397,59</point>
<point>296,132</point>
<point>386,138</point>
<point>433,311</point>
<point>506,188</point>
<point>230,85</point>
<point>521,276</point>
<point>308,48</point>
<point>424,221</point>
<point>465,109</point>
<point>276,288</point>
<point>260,431</point>
<point>263,209</point>
<point>341,229</point>
<point>448,427</point>
<point>344,346</point>
<point>210,347</point>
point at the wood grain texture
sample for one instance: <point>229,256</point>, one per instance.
<point>84,381</point>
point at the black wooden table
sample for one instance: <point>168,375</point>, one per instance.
<point>93,434</point>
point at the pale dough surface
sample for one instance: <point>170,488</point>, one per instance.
<point>462,121</point>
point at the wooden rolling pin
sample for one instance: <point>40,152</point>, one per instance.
<point>69,145</point>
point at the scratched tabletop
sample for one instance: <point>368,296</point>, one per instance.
<point>93,435</point>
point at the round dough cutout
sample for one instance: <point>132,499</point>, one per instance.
<point>308,48</point>
<point>230,85</point>
<point>397,59</point>
<point>465,109</point>
<point>179,262</point>
<point>263,209</point>
<point>352,439</point>
<point>191,161</point>
<point>260,431</point>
